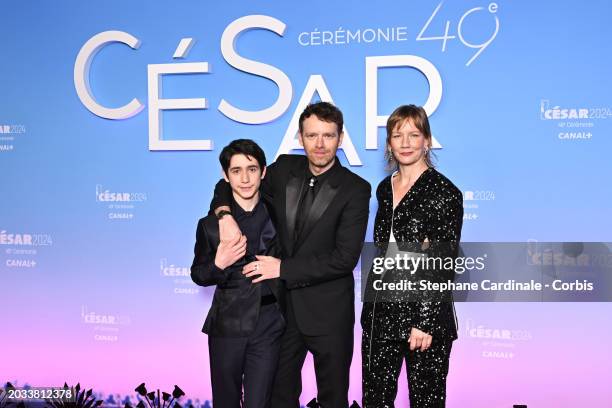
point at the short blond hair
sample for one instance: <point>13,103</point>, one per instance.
<point>418,117</point>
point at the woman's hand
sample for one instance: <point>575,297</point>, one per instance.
<point>419,340</point>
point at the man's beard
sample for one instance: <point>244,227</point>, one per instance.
<point>322,161</point>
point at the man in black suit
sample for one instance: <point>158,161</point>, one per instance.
<point>320,209</point>
<point>244,324</point>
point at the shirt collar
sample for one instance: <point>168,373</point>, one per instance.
<point>238,212</point>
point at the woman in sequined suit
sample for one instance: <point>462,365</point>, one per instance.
<point>416,205</point>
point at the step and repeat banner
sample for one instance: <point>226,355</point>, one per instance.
<point>113,114</point>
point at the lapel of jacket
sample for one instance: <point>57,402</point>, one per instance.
<point>324,197</point>
<point>293,192</point>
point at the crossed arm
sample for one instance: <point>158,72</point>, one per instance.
<point>302,271</point>
<point>209,263</point>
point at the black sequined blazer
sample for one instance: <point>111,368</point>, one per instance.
<point>432,209</point>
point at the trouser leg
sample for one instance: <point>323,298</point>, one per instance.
<point>427,371</point>
<point>226,367</point>
<point>381,365</point>
<point>261,359</point>
<point>288,379</point>
<point>332,354</point>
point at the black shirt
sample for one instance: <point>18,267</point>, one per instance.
<point>319,181</point>
<point>321,178</point>
<point>257,227</point>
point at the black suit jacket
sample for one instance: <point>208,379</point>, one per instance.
<point>432,209</point>
<point>235,307</point>
<point>316,270</point>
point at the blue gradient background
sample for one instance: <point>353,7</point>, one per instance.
<point>488,123</point>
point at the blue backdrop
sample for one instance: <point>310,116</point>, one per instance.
<point>97,224</point>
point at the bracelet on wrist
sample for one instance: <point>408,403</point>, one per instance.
<point>223,213</point>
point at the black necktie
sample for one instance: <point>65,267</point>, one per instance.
<point>305,207</point>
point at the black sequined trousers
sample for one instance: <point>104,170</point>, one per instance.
<point>382,363</point>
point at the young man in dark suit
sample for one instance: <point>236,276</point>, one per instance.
<point>321,211</point>
<point>244,324</point>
